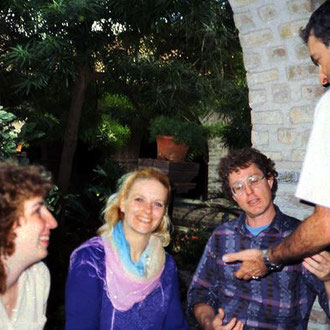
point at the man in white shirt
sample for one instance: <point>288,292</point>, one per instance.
<point>313,235</point>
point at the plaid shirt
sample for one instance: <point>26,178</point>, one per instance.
<point>281,300</point>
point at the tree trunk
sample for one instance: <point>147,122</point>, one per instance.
<point>72,128</point>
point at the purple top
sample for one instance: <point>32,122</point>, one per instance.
<point>281,300</point>
<point>88,306</point>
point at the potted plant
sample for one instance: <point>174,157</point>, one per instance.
<point>176,136</point>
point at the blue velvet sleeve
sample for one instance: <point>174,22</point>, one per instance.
<point>84,287</point>
<point>175,318</point>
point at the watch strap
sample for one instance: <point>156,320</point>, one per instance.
<point>272,267</point>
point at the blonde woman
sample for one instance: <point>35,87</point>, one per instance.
<point>124,279</point>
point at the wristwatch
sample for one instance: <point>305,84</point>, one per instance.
<point>272,267</point>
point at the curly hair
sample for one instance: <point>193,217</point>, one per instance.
<point>243,158</point>
<point>112,212</point>
<point>318,24</point>
<point>18,183</point>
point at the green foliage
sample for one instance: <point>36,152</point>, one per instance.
<point>235,111</point>
<point>8,134</point>
<point>36,125</point>
<point>85,205</point>
<point>108,132</point>
<point>120,108</point>
<point>216,129</point>
<point>53,201</point>
<point>191,133</point>
<point>160,57</point>
<point>187,246</point>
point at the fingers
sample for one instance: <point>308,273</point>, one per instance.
<point>243,274</point>
<point>307,264</point>
<point>311,262</point>
<point>240,326</point>
<point>251,269</point>
<point>234,324</point>
<point>323,257</point>
<point>217,321</point>
<point>319,265</point>
<point>252,263</point>
<point>221,313</point>
<point>325,254</point>
<point>231,325</point>
<point>241,255</point>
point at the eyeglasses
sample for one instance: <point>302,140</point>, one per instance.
<point>253,181</point>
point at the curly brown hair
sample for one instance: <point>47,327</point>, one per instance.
<point>243,158</point>
<point>18,183</point>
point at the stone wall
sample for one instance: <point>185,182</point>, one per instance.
<point>283,90</point>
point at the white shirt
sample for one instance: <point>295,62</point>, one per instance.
<point>314,182</point>
<point>33,291</point>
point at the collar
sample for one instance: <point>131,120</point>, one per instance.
<point>276,226</point>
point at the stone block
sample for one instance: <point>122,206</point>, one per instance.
<point>300,6</point>
<point>318,315</point>
<point>301,115</point>
<point>260,137</point>
<point>256,39</point>
<point>276,156</point>
<point>244,21</point>
<point>298,155</point>
<point>257,96</point>
<point>285,136</point>
<point>277,54</point>
<point>298,72</point>
<point>267,117</point>
<point>262,77</point>
<point>316,3</point>
<point>301,51</point>
<point>288,177</point>
<point>281,93</point>
<point>252,60</point>
<point>288,199</point>
<point>239,3</point>
<point>305,136</point>
<point>291,29</point>
<point>268,13</point>
<point>312,92</point>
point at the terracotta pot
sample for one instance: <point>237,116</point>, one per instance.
<point>169,150</point>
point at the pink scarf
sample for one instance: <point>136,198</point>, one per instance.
<point>124,289</point>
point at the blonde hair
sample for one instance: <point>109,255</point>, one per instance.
<point>112,213</point>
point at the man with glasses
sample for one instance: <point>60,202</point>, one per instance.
<point>313,235</point>
<point>282,300</point>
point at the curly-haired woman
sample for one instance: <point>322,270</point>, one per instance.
<point>25,225</point>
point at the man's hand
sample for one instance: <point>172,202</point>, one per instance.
<point>234,324</point>
<point>319,265</point>
<point>216,323</point>
<point>209,321</point>
<point>252,263</point>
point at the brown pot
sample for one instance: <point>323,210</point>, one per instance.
<point>169,150</point>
